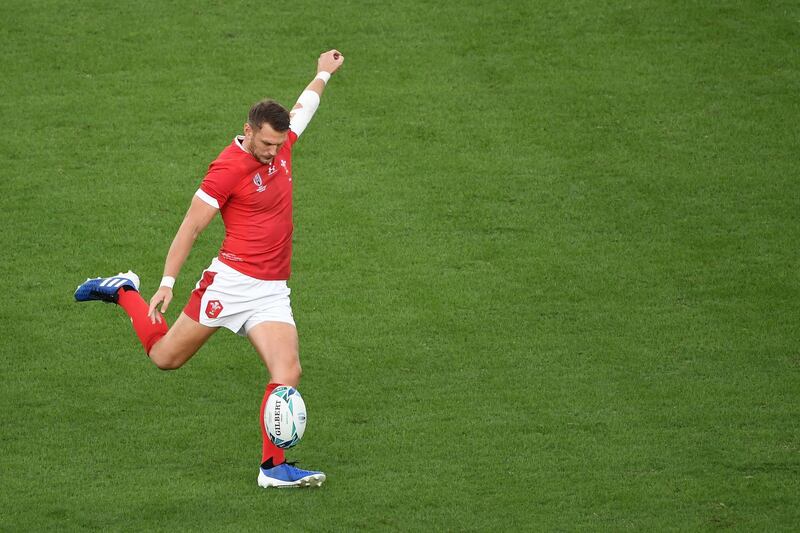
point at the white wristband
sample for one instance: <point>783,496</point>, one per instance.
<point>324,76</point>
<point>168,281</point>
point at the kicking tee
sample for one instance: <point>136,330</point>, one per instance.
<point>255,202</point>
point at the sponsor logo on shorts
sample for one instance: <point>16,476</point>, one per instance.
<point>213,308</point>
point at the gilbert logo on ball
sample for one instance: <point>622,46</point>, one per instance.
<point>285,416</point>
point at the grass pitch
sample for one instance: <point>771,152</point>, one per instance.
<point>545,270</point>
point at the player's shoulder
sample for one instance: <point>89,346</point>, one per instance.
<point>291,138</point>
<point>234,159</point>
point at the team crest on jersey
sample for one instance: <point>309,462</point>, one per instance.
<point>259,183</point>
<point>213,309</point>
<point>285,168</point>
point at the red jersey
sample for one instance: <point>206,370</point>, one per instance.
<point>255,201</point>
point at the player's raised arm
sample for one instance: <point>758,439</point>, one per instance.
<point>307,104</point>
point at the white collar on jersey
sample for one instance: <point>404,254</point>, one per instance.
<point>238,140</point>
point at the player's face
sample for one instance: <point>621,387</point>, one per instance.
<point>264,143</point>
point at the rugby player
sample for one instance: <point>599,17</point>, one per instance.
<point>245,287</point>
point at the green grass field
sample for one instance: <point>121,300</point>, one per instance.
<point>545,273</point>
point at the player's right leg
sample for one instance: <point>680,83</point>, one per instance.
<point>277,344</point>
<point>168,348</point>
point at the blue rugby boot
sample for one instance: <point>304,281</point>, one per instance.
<point>105,289</point>
<point>287,475</point>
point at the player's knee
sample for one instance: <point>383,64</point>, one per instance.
<point>163,363</point>
<point>296,372</point>
<point>167,364</point>
<point>166,360</point>
<point>289,375</point>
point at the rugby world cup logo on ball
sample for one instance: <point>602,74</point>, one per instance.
<point>285,416</point>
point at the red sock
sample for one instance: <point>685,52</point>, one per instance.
<point>269,451</point>
<point>148,333</point>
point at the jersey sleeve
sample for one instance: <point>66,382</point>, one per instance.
<point>220,181</point>
<point>291,138</point>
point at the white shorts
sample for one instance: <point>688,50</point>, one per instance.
<point>224,297</point>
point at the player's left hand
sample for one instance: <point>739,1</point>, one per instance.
<point>163,296</point>
<point>330,61</point>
